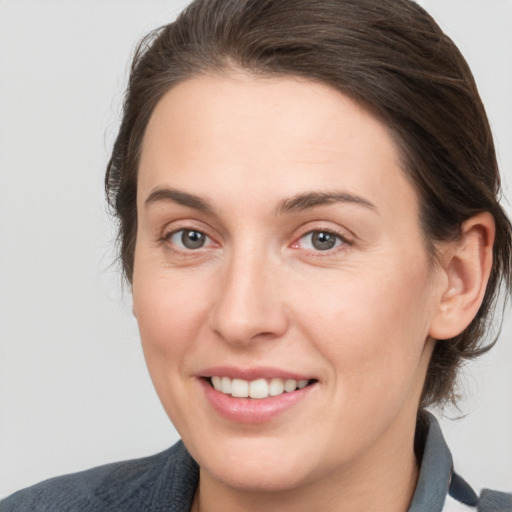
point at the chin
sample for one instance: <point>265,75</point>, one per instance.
<point>251,477</point>
<point>257,464</point>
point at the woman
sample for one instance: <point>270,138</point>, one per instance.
<point>307,196</point>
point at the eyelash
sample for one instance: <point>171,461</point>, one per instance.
<point>340,241</point>
<point>169,239</point>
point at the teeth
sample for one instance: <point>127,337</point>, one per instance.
<point>290,385</point>
<point>239,388</point>
<point>260,388</point>
<point>217,383</point>
<point>276,387</point>
<point>225,385</point>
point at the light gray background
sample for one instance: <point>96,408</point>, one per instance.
<point>74,391</point>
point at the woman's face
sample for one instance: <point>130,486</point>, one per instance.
<point>278,241</point>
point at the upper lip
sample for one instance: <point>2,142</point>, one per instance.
<point>254,373</point>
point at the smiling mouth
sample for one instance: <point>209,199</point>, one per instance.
<point>257,389</point>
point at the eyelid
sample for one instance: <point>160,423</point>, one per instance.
<point>171,234</point>
<point>343,235</point>
<point>187,225</point>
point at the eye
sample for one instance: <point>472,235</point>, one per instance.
<point>188,239</point>
<point>320,241</point>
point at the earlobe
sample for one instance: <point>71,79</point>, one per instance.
<point>467,264</point>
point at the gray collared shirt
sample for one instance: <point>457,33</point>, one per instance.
<point>167,482</point>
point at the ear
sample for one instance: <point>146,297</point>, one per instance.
<point>466,265</point>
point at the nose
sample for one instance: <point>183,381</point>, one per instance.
<point>249,305</point>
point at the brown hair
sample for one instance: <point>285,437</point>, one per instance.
<point>390,56</point>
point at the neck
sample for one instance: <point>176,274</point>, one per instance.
<point>381,481</point>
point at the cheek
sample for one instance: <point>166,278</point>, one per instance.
<point>170,320</point>
<point>370,335</point>
<point>169,315</point>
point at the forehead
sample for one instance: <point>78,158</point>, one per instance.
<point>265,137</point>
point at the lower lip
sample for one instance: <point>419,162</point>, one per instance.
<point>252,410</point>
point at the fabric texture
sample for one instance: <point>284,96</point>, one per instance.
<point>493,501</point>
<point>166,482</point>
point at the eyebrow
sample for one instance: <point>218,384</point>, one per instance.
<point>298,203</point>
<point>308,200</point>
<point>179,197</point>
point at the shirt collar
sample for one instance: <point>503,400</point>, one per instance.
<point>436,466</point>
<point>431,490</point>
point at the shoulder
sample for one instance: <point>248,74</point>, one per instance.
<point>467,500</point>
<point>462,497</point>
<point>439,486</point>
<point>122,486</point>
<point>495,501</point>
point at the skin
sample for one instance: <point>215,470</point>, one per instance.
<point>359,318</point>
